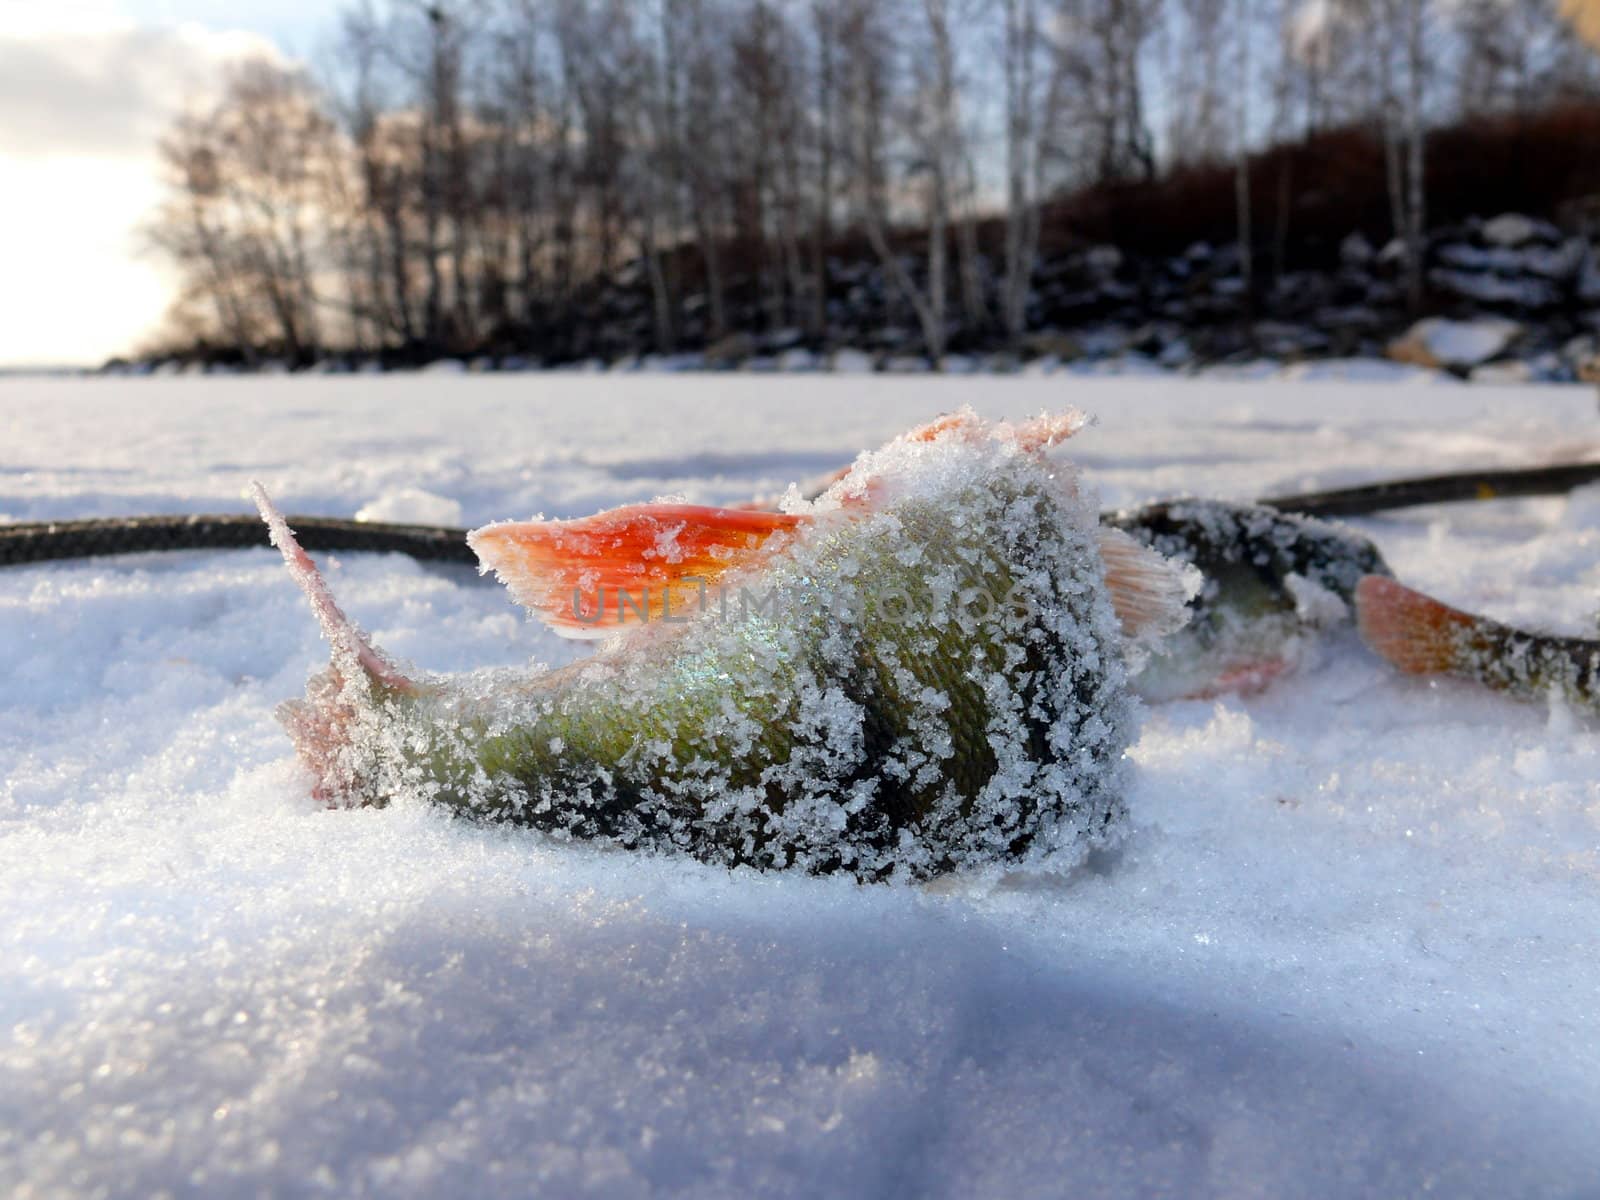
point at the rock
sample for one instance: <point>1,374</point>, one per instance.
<point>1103,260</point>
<point>1517,291</point>
<point>905,364</point>
<point>1351,316</point>
<point>1437,342</point>
<point>1176,354</point>
<point>1052,343</point>
<point>1556,262</point>
<point>1514,229</point>
<point>782,339</point>
<point>727,351</point>
<point>852,362</point>
<point>1589,281</point>
<point>1503,373</point>
<point>798,359</point>
<point>1103,340</point>
<point>1577,352</point>
<point>1355,251</point>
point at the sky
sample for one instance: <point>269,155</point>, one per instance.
<point>86,89</point>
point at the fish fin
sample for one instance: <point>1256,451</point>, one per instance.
<point>1150,593</point>
<point>618,570</point>
<point>1035,435</point>
<point>1047,429</point>
<point>1415,633</point>
<point>320,726</point>
<point>351,647</point>
<point>962,423</point>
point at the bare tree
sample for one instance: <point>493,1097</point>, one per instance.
<point>246,179</point>
<point>1024,159</point>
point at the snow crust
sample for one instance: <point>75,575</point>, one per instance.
<point>1348,946</point>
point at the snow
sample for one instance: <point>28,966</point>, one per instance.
<point>1514,229</point>
<point>1362,370</point>
<point>1347,947</point>
<point>410,505</point>
<point>1443,342</point>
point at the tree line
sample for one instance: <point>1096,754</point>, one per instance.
<point>465,176</point>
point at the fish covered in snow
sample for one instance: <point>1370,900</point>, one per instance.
<point>1271,584</point>
<point>920,671</point>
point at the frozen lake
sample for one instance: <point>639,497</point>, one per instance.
<point>1349,946</point>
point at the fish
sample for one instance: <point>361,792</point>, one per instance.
<point>1419,635</point>
<point>922,671</point>
<point>1273,584</point>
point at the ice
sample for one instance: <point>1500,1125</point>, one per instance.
<point>1348,946</point>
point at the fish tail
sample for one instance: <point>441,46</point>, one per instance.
<point>351,647</point>
<point>1422,636</point>
<point>1415,633</point>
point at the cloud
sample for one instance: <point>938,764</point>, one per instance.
<point>81,109</point>
<point>107,93</point>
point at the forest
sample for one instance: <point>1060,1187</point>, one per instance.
<point>558,179</point>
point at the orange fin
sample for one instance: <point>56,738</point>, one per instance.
<point>1150,593</point>
<point>618,570</point>
<point>1415,633</point>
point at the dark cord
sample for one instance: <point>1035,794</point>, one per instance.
<point>44,541</point>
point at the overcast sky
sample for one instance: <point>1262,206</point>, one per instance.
<point>86,88</point>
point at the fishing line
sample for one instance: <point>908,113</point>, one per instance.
<point>46,541</point>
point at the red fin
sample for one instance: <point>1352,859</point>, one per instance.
<point>1415,633</point>
<point>596,576</point>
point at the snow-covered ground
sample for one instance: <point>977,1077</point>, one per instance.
<point>1350,945</point>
